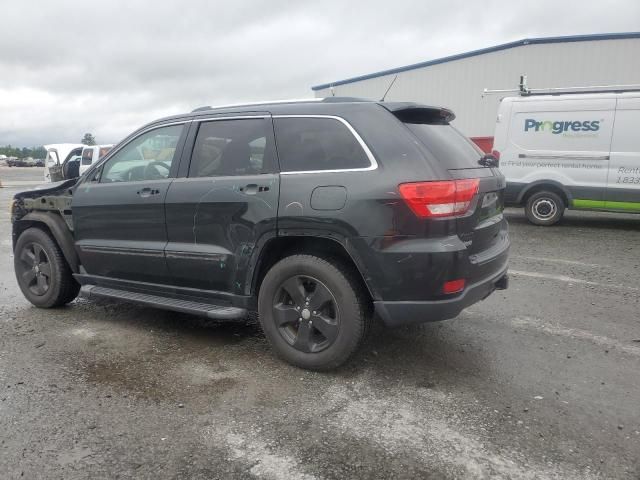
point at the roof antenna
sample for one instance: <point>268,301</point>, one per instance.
<point>390,85</point>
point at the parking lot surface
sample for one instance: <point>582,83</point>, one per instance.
<point>538,381</point>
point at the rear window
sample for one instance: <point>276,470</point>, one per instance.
<point>103,151</point>
<point>309,144</point>
<point>450,147</point>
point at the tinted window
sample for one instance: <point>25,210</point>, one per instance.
<point>317,144</point>
<point>448,145</point>
<point>147,157</point>
<point>232,147</point>
<point>87,155</point>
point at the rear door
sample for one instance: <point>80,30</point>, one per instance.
<point>224,205</point>
<point>623,189</point>
<point>118,211</point>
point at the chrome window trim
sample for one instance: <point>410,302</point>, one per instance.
<point>372,160</point>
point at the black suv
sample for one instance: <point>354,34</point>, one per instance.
<point>319,215</point>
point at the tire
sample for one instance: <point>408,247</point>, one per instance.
<point>302,289</point>
<point>42,271</point>
<point>544,208</point>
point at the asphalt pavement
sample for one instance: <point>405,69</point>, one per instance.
<point>539,381</point>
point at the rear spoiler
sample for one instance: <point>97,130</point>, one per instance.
<point>416,113</point>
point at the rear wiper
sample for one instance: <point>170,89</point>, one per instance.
<point>488,160</point>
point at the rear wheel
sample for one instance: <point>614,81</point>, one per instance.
<point>41,270</point>
<point>544,208</point>
<point>312,311</point>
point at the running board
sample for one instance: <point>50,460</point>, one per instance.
<point>177,305</point>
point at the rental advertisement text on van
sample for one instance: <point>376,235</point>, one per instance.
<point>578,151</point>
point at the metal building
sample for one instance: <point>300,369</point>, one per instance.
<point>458,81</point>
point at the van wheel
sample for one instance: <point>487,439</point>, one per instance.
<point>313,312</point>
<point>544,208</point>
<point>41,270</point>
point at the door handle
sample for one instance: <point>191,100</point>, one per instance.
<point>147,192</point>
<point>252,189</point>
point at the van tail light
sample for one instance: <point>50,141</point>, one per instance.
<point>449,198</point>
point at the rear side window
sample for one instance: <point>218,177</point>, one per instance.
<point>450,147</point>
<point>87,155</point>
<point>103,151</point>
<point>232,147</point>
<point>309,144</point>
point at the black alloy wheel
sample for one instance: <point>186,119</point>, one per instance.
<point>43,274</point>
<point>34,268</point>
<point>315,311</point>
<point>306,314</point>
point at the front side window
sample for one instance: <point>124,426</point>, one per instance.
<point>231,148</point>
<point>308,144</point>
<point>87,155</point>
<point>147,157</point>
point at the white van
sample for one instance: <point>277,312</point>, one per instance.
<point>579,151</point>
<point>91,154</point>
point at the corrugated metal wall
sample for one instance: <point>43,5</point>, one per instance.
<point>459,84</point>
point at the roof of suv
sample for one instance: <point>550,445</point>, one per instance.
<point>311,106</point>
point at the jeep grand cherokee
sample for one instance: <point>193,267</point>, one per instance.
<point>319,215</point>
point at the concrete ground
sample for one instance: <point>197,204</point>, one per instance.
<point>17,177</point>
<point>539,381</point>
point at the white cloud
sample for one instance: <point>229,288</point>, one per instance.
<point>108,67</point>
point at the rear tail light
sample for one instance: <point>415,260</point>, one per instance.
<point>447,198</point>
<point>454,286</point>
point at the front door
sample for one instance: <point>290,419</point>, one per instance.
<point>118,210</point>
<point>225,205</point>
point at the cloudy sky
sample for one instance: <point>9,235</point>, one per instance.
<point>108,67</point>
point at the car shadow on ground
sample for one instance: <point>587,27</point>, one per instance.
<point>421,355</point>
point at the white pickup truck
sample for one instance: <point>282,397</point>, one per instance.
<point>70,160</point>
<point>58,157</point>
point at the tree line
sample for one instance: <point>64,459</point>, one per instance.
<point>38,152</point>
<point>24,152</point>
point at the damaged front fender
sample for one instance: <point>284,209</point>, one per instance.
<point>50,206</point>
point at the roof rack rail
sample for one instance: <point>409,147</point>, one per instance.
<point>249,104</point>
<point>524,91</point>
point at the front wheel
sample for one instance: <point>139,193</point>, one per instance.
<point>41,270</point>
<point>544,208</point>
<point>312,311</point>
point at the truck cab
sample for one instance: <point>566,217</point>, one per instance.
<point>58,157</point>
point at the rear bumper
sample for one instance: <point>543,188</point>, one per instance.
<point>396,313</point>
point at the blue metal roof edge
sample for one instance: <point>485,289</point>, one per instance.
<point>473,53</point>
